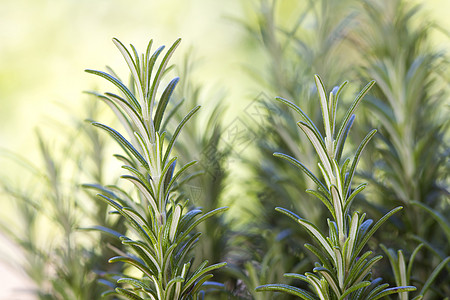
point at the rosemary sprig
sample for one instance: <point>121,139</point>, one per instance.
<point>160,220</point>
<point>343,270</point>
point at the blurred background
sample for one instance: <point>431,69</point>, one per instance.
<point>46,45</point>
<point>239,52</point>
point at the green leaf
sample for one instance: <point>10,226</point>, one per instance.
<point>200,273</point>
<point>177,175</point>
<point>169,257</point>
<point>324,106</point>
<point>301,113</point>
<point>146,253</point>
<point>374,229</point>
<point>128,161</point>
<point>134,282</point>
<point>138,62</point>
<point>393,260</point>
<point>367,267</point>
<point>177,132</point>
<point>149,70</point>
<point>134,224</point>
<point>123,142</point>
<point>342,138</point>
<point>131,112</point>
<point>132,262</point>
<point>352,237</point>
<point>338,210</point>
<point>201,219</point>
<point>352,196</point>
<point>357,267</point>
<point>159,288</point>
<point>333,105</point>
<point>128,294</point>
<point>320,287</point>
<point>320,255</point>
<point>374,284</point>
<point>340,267</point>
<point>143,188</point>
<point>302,167</point>
<point>170,285</point>
<point>354,288</point>
<point>163,102</point>
<point>175,222</point>
<point>375,288</point>
<point>159,74</point>
<point>108,293</point>
<point>188,217</point>
<point>433,275</point>
<point>119,85</point>
<point>171,113</point>
<point>168,174</point>
<point>319,145</point>
<point>350,111</point>
<point>411,260</point>
<point>297,276</point>
<point>356,159</point>
<point>331,279</point>
<point>442,220</point>
<point>393,290</point>
<point>199,283</point>
<point>136,217</point>
<point>145,179</point>
<point>312,230</point>
<point>292,290</point>
<point>403,276</point>
<point>324,200</point>
<point>105,230</point>
<point>133,66</point>
<point>120,114</point>
<point>363,228</point>
<point>99,188</point>
<point>186,247</point>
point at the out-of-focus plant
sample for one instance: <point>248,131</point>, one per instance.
<point>409,108</point>
<point>312,40</point>
<point>261,265</point>
<point>202,140</point>
<point>49,212</point>
<point>344,271</point>
<point>161,227</point>
<point>403,272</point>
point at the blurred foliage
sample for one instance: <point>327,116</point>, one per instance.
<point>338,38</point>
<point>311,42</point>
<point>201,141</point>
<point>50,208</point>
<point>409,107</point>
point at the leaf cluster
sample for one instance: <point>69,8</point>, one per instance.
<point>160,220</point>
<point>343,271</point>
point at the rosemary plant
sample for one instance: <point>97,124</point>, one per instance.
<point>294,38</point>
<point>344,271</point>
<point>203,143</point>
<point>409,106</point>
<point>58,262</point>
<point>162,227</point>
